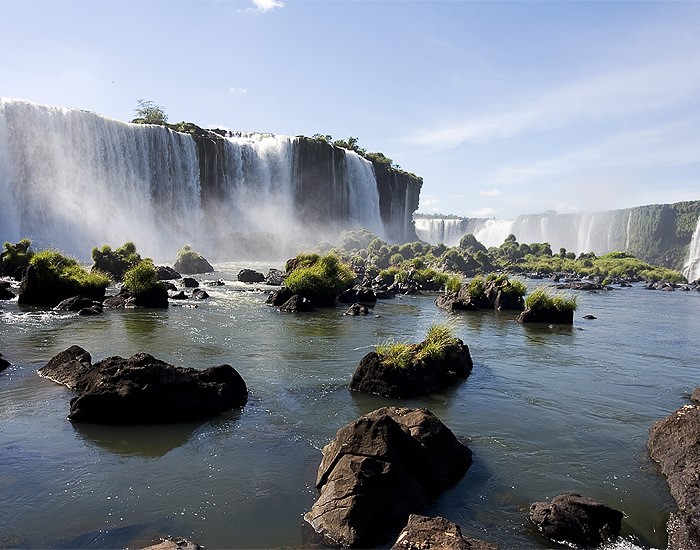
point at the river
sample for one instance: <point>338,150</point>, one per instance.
<point>546,411</point>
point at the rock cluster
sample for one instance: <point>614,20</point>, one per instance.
<point>143,389</point>
<point>381,468</point>
<point>423,533</point>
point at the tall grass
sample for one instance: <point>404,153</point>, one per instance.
<point>439,342</point>
<point>542,299</point>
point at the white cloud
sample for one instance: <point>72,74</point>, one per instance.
<point>483,213</point>
<point>238,91</point>
<point>490,193</point>
<point>428,201</point>
<point>631,91</point>
<point>267,5</point>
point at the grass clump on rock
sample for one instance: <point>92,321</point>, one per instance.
<point>401,369</point>
<point>190,261</point>
<point>547,307</point>
<point>52,277</point>
<point>319,278</point>
<point>15,258</point>
<point>115,262</point>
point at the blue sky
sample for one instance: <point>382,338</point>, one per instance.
<point>503,108</point>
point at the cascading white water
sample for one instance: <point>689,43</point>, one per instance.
<point>363,194</point>
<point>74,180</point>
<point>448,231</point>
<point>259,183</point>
<point>691,270</point>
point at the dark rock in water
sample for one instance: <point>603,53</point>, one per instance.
<point>422,533</point>
<point>178,295</point>
<point>675,444</point>
<point>76,303</point>
<point>576,520</point>
<point>218,282</point>
<point>250,276</point>
<point>582,285</point>
<point>4,363</point>
<point>189,282</point>
<point>550,315</point>
<point>357,309</point>
<point>166,273</point>
<point>200,294</point>
<point>67,367</point>
<point>358,294</point>
<point>5,284</point>
<point>6,293</point>
<point>297,304</point>
<point>35,291</point>
<point>590,317</point>
<point>275,277</point>
<point>277,298</point>
<point>421,376</point>
<point>90,311</point>
<point>157,297</point>
<point>452,302</point>
<point>174,544</point>
<point>143,389</point>
<point>381,468</point>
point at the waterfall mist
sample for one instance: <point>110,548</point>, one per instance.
<point>73,180</point>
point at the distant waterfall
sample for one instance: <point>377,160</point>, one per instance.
<point>692,268</point>
<point>74,180</point>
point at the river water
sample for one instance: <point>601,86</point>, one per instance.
<point>546,411</point>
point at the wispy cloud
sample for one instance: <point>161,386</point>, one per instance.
<point>428,201</point>
<point>263,6</point>
<point>624,92</point>
<point>483,213</point>
<point>490,193</point>
<point>238,91</point>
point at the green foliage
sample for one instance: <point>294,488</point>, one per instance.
<point>115,263</point>
<point>470,244</point>
<point>453,284</point>
<point>514,287</point>
<point>396,259</point>
<point>476,288</point>
<point>54,269</point>
<point>439,342</point>
<point>541,300</point>
<point>142,278</point>
<point>147,112</point>
<point>15,256</point>
<point>320,278</point>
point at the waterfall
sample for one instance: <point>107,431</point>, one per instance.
<point>691,270</point>
<point>363,194</point>
<point>73,180</point>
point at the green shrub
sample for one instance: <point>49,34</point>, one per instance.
<point>453,284</point>
<point>320,280</point>
<point>476,288</point>
<point>15,256</point>
<point>396,354</point>
<point>439,342</point>
<point>115,263</point>
<point>142,278</point>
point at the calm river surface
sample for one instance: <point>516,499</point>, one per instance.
<point>546,411</point>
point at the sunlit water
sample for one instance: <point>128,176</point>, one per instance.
<point>546,411</point>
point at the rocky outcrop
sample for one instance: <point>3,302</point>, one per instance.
<point>423,373</point>
<point>250,276</point>
<point>49,291</point>
<point>497,294</point>
<point>174,544</point>
<point>81,304</point>
<point>189,261</point>
<point>547,315</point>
<point>157,297</point>
<point>278,297</point>
<point>166,273</point>
<point>381,468</point>
<point>297,304</point>
<point>576,520</point>
<point>143,389</point>
<point>189,282</point>
<point>356,309</point>
<point>424,533</point>
<point>6,293</point>
<point>358,294</point>
<point>275,277</point>
<point>675,444</point>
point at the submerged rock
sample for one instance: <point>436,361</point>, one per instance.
<point>576,520</point>
<point>156,297</point>
<point>675,444</point>
<point>174,544</point>
<point>547,315</point>
<point>423,533</point>
<point>6,293</point>
<point>189,282</point>
<point>381,468</point>
<point>76,303</point>
<point>166,273</point>
<point>143,389</point>
<point>357,309</point>
<point>297,304</point>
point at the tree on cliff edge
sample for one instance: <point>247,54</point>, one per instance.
<point>147,112</point>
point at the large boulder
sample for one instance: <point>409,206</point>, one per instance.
<point>675,444</point>
<point>77,303</point>
<point>4,363</point>
<point>423,374</point>
<point>576,520</point>
<point>278,297</point>
<point>297,304</point>
<point>38,289</point>
<point>6,293</point>
<point>275,277</point>
<point>381,468</point>
<point>189,261</point>
<point>166,273</point>
<point>250,276</point>
<point>143,389</point>
<point>547,315</point>
<point>423,533</point>
<point>358,294</point>
<point>156,297</point>
<point>67,367</point>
